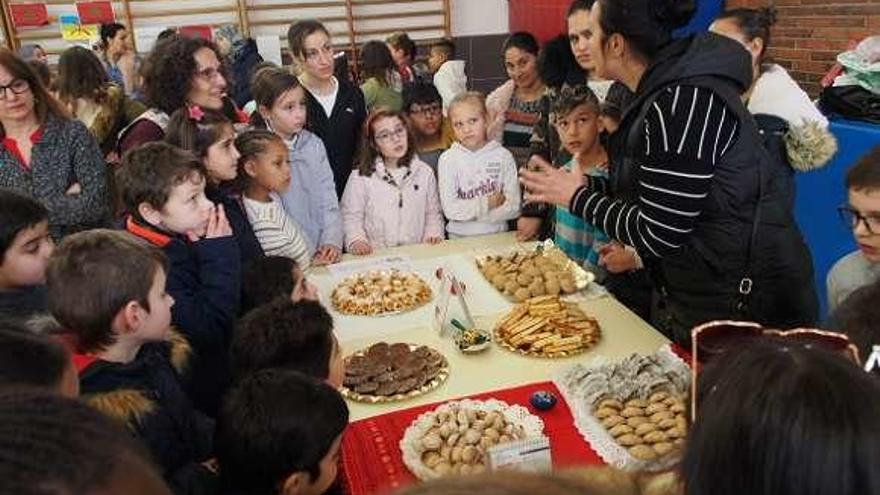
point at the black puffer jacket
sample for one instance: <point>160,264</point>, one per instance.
<point>700,280</point>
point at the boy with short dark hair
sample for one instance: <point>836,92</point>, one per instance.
<point>25,246</point>
<point>290,335</point>
<point>163,190</point>
<point>55,445</point>
<point>279,432</point>
<point>862,214</point>
<point>33,361</point>
<point>432,132</point>
<point>107,289</point>
<point>449,75</point>
<point>269,277</point>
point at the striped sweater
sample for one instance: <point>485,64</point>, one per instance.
<point>277,232</point>
<point>687,131</point>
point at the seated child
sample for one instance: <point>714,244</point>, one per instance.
<point>432,134</point>
<point>391,199</point>
<point>25,246</point>
<point>279,433</point>
<point>291,335</point>
<point>479,185</point>
<point>210,136</point>
<point>861,267</point>
<point>163,189</point>
<point>263,174</point>
<point>577,121</point>
<point>33,361</point>
<point>449,75</point>
<point>311,198</point>
<point>56,445</point>
<point>269,277</point>
<point>107,289</point>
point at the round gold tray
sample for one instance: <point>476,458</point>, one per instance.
<point>419,303</point>
<point>547,355</point>
<point>384,399</point>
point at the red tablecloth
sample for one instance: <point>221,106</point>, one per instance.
<point>371,452</point>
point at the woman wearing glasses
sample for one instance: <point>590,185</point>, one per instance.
<point>179,72</point>
<point>691,186</point>
<point>46,155</point>
<point>432,134</point>
<point>336,109</point>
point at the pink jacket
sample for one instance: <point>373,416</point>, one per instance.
<point>383,215</point>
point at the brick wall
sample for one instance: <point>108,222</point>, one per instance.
<point>810,33</point>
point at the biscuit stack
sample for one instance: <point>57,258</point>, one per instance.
<point>648,428</point>
<point>385,370</point>
<point>547,326</point>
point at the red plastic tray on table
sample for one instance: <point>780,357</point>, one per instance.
<point>371,458</point>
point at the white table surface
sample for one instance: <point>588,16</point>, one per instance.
<point>623,332</point>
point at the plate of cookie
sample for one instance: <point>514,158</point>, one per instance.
<point>546,326</point>
<point>380,292</point>
<point>387,372</point>
<point>454,438</point>
<point>632,411</point>
<point>545,270</point>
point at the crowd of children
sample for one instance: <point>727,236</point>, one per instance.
<point>194,323</point>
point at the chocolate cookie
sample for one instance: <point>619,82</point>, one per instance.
<point>378,349</point>
<point>351,381</point>
<point>367,388</point>
<point>407,385</point>
<point>399,349</point>
<point>388,388</point>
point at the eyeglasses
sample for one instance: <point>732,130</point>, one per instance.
<point>426,111</point>
<point>396,132</point>
<point>209,73</point>
<point>852,217</point>
<point>17,87</point>
<point>313,53</point>
<point>714,338</point>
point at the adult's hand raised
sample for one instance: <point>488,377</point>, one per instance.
<point>547,184</point>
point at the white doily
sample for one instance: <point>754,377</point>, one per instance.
<point>410,444</point>
<point>569,384</point>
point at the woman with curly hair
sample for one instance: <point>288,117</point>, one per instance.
<point>179,72</point>
<point>86,90</point>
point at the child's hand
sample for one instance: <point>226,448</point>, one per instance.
<point>360,248</point>
<point>496,200</point>
<point>528,228</point>
<point>434,240</point>
<point>74,189</point>
<point>218,225</point>
<point>326,255</point>
<point>616,259</point>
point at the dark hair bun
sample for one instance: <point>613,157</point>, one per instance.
<point>672,14</point>
<point>767,16</point>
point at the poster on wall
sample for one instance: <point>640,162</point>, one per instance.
<point>95,12</point>
<point>26,15</point>
<point>74,31</point>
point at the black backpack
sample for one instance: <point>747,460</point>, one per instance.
<point>851,102</point>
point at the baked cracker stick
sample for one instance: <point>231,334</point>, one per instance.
<point>551,340</point>
<point>517,313</point>
<point>562,348</point>
<point>530,339</point>
<point>541,299</point>
<point>520,337</point>
<point>526,324</point>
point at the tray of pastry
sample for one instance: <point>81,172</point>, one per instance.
<point>387,372</point>
<point>454,438</point>
<point>546,326</point>
<point>380,292</point>
<point>545,270</point>
<point>632,411</point>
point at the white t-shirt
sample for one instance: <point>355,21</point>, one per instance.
<point>327,101</point>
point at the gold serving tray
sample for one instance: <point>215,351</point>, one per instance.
<point>418,304</point>
<point>547,249</point>
<point>384,399</point>
<point>546,355</point>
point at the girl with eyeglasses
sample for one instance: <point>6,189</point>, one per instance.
<point>392,198</point>
<point>46,155</point>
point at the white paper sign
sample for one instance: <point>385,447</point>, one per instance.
<point>145,37</point>
<point>530,455</point>
<point>347,269</point>
<point>270,48</point>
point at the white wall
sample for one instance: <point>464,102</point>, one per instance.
<point>476,17</point>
